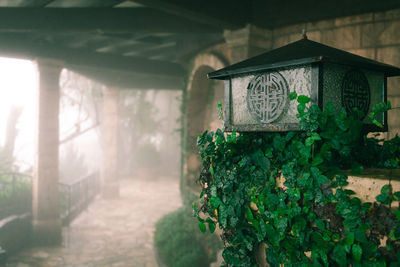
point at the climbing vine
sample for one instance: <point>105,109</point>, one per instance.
<point>287,192</point>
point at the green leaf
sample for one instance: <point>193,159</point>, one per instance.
<point>330,109</point>
<point>249,214</point>
<point>387,189</point>
<point>357,252</point>
<point>219,110</point>
<point>302,99</point>
<point>315,136</point>
<point>321,179</point>
<point>317,160</point>
<point>211,170</point>
<point>309,141</point>
<point>349,238</point>
<point>397,195</point>
<point>320,224</point>
<point>293,95</point>
<point>340,255</point>
<point>382,198</point>
<point>202,227</point>
<point>301,108</point>
<point>211,226</point>
<point>261,160</point>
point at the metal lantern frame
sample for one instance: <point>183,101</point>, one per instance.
<point>301,53</point>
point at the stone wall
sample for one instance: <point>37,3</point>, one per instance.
<point>15,234</point>
<point>371,35</point>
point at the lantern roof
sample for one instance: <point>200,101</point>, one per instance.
<point>300,52</point>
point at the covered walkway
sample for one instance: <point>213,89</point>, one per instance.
<point>112,232</point>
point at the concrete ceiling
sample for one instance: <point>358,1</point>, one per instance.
<point>123,43</point>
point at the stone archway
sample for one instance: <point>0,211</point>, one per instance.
<point>202,98</point>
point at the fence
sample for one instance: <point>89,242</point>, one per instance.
<point>76,196</point>
<point>16,195</point>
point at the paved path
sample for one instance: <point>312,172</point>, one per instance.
<point>111,233</point>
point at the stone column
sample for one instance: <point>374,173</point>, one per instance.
<point>46,220</point>
<point>110,187</point>
<point>248,42</point>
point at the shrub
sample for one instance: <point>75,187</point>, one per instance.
<point>180,244</point>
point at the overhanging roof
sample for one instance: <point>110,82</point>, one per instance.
<point>145,38</point>
<point>302,52</point>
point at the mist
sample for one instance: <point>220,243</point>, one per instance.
<point>97,230</point>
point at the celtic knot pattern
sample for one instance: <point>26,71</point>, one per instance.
<point>267,97</point>
<point>355,91</point>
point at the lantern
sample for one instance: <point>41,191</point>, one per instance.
<point>257,89</point>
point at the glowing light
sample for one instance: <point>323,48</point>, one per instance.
<point>18,87</point>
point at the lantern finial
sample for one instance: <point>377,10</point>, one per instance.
<point>304,33</point>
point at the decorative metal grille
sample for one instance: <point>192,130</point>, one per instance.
<point>356,91</point>
<point>267,97</point>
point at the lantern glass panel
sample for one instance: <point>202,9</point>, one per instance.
<point>297,78</point>
<point>333,77</point>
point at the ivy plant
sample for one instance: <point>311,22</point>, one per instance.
<point>309,219</point>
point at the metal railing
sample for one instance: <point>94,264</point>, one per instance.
<point>16,195</point>
<point>76,196</point>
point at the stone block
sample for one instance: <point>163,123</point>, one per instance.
<point>111,190</point>
<point>390,34</point>
<point>395,101</point>
<point>285,39</point>
<point>394,118</point>
<point>393,132</point>
<point>248,41</point>
<point>368,187</point>
<point>320,25</point>
<point>368,53</point>
<point>371,32</point>
<point>287,30</point>
<point>354,19</point>
<point>314,36</point>
<point>389,55</point>
<point>280,41</point>
<point>343,38</point>
<point>388,15</point>
<point>393,86</point>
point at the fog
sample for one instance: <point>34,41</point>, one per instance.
<point>97,231</point>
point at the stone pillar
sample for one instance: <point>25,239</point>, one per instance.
<point>46,220</point>
<point>110,187</point>
<point>248,42</point>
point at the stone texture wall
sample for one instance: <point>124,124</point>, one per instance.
<point>371,35</point>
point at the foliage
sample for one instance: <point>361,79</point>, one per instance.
<point>179,244</point>
<point>311,219</point>
<point>15,194</point>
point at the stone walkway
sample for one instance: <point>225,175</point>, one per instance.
<point>111,233</point>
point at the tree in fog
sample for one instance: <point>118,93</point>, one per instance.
<point>148,129</point>
<point>80,113</point>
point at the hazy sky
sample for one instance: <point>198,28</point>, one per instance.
<point>18,86</point>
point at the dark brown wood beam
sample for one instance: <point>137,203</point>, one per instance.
<point>21,48</point>
<point>125,80</point>
<point>98,20</point>
<point>277,13</point>
<point>221,13</point>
